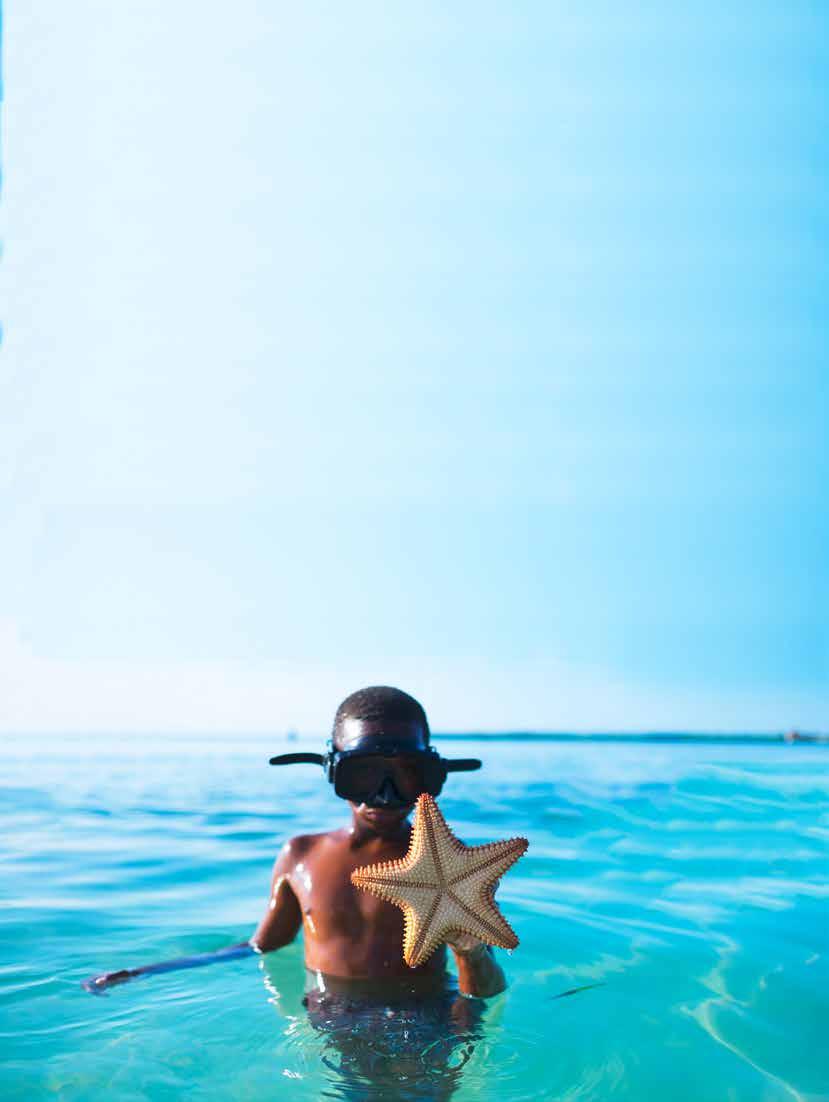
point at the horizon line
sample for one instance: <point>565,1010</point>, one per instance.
<point>790,737</point>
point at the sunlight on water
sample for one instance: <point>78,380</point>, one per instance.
<point>672,911</point>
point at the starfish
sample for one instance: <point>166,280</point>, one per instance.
<point>442,886</point>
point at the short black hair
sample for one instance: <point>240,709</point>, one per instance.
<point>381,702</point>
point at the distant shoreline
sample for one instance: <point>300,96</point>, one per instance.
<point>789,738</point>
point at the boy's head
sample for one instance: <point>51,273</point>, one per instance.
<point>379,757</point>
<point>381,719</point>
<point>380,713</point>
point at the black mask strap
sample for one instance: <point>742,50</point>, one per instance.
<point>301,758</point>
<point>462,765</point>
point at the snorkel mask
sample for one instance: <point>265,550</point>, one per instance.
<point>380,773</point>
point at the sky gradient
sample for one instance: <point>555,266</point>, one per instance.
<point>480,351</point>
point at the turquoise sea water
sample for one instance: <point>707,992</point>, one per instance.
<point>685,889</point>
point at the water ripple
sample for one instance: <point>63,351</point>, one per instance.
<point>677,896</point>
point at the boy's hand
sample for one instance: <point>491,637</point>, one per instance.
<point>479,973</point>
<point>465,943</point>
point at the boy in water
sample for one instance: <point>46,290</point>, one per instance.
<point>388,1026</point>
<point>352,937</point>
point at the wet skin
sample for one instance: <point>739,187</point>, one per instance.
<point>349,933</point>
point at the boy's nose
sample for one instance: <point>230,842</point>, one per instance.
<point>387,795</point>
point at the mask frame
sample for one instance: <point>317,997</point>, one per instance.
<point>332,761</point>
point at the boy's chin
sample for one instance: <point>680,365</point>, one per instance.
<point>382,819</point>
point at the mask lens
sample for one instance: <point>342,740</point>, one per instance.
<point>360,777</point>
<point>413,774</point>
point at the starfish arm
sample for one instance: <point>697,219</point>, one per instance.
<point>494,858</point>
<point>475,899</point>
<point>445,849</point>
<point>421,933</point>
<point>393,882</point>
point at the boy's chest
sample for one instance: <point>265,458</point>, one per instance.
<point>332,905</point>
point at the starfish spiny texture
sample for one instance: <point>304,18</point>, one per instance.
<point>442,886</point>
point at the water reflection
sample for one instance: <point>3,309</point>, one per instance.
<point>379,1041</point>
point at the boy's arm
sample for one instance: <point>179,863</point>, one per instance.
<point>279,926</point>
<point>98,984</point>
<point>479,973</point>
<point>283,917</point>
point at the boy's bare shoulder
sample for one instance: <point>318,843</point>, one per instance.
<point>302,845</point>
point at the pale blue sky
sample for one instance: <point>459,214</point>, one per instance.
<point>480,350</point>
